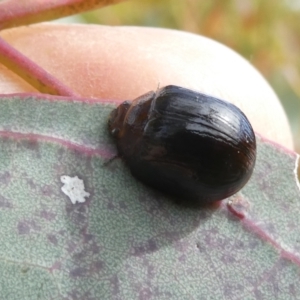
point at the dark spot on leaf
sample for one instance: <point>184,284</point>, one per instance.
<point>239,245</point>
<point>95,248</point>
<point>62,232</point>
<point>89,250</point>
<point>88,237</point>
<point>253,244</point>
<point>31,184</point>
<point>91,244</point>
<point>25,269</point>
<point>48,215</point>
<point>77,213</point>
<point>228,258</point>
<point>23,228</point>
<point>30,144</point>
<point>182,258</point>
<point>78,272</point>
<point>71,246</point>
<point>52,239</point>
<point>97,266</point>
<point>149,247</point>
<point>5,178</point>
<point>5,203</point>
<point>47,190</point>
<point>78,294</point>
<point>104,190</point>
<point>26,226</point>
<point>198,246</point>
<point>110,206</point>
<point>292,289</point>
<point>114,282</point>
<point>230,290</point>
<point>123,205</point>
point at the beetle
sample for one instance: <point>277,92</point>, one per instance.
<point>187,144</point>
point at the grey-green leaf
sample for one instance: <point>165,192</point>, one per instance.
<point>127,241</point>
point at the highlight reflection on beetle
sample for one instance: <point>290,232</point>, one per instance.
<point>186,144</point>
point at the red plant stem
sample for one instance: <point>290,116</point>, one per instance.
<point>249,222</point>
<point>84,150</point>
<point>36,76</point>
<point>16,13</point>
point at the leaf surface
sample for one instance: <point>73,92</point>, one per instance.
<point>128,241</point>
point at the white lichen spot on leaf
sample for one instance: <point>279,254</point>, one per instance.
<point>74,188</point>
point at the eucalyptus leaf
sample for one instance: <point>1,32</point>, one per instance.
<point>127,241</point>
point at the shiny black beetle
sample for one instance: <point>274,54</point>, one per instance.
<point>186,144</point>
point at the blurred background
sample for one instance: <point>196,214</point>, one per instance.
<point>265,32</point>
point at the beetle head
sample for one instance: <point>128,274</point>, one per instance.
<point>116,118</point>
